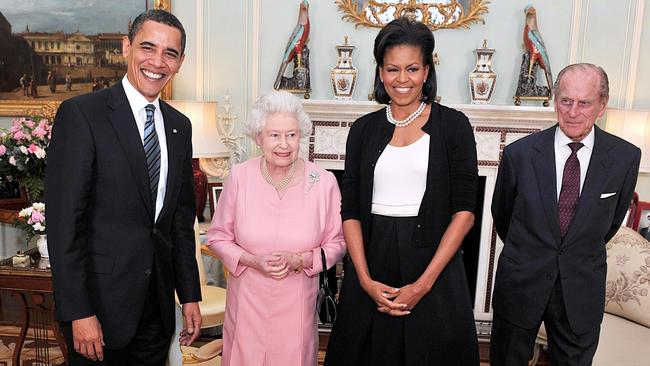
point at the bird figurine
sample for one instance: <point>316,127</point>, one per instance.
<point>534,45</point>
<point>297,41</point>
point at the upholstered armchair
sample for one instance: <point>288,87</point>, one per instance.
<point>213,310</point>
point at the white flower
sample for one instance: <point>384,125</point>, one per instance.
<point>40,153</point>
<point>12,160</point>
<point>38,206</point>
<point>24,150</point>
<point>25,212</point>
<point>38,227</point>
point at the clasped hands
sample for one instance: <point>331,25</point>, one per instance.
<point>276,265</point>
<point>394,301</point>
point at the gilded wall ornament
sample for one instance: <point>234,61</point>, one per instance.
<point>436,14</point>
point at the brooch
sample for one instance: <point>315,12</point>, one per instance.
<point>314,176</point>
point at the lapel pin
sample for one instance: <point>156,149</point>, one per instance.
<point>174,130</point>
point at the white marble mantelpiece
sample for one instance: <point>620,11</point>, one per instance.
<point>494,127</point>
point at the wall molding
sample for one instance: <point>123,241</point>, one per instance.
<point>635,52</point>
<point>200,31</point>
<point>575,32</point>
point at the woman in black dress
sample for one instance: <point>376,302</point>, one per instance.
<point>409,194</point>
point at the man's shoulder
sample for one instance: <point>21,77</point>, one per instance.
<point>623,147</point>
<point>535,139</point>
<point>88,101</point>
<point>172,114</point>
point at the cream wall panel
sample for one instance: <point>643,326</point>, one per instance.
<point>184,85</point>
<point>607,42</point>
<point>642,87</point>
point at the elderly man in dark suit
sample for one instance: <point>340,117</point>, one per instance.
<point>120,209</point>
<point>560,195</point>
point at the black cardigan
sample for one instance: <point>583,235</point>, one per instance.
<point>452,175</point>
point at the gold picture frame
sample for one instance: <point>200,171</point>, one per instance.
<point>435,14</point>
<point>48,108</point>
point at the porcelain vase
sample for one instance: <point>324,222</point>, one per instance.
<point>344,74</point>
<point>41,244</point>
<point>482,79</point>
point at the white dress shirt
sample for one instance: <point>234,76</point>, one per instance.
<point>138,102</point>
<point>562,152</point>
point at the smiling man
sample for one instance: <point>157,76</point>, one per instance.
<point>560,195</point>
<point>120,206</point>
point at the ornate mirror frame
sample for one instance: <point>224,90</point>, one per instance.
<point>20,108</point>
<point>436,14</point>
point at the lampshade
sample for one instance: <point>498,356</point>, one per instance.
<point>206,142</point>
<point>633,126</point>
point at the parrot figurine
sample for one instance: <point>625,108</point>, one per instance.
<point>534,45</point>
<point>297,41</point>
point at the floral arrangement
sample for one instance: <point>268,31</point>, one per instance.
<point>22,153</point>
<point>31,220</point>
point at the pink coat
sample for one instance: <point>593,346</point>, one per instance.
<point>273,322</point>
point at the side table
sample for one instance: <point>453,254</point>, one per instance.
<point>33,287</point>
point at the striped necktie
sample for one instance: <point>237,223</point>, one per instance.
<point>570,192</point>
<point>152,151</point>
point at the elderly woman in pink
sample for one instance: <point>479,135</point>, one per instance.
<point>274,215</point>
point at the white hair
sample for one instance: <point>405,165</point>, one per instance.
<point>277,102</point>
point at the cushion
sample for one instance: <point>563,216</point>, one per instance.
<point>628,276</point>
<point>621,342</point>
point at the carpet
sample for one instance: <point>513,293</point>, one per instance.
<point>28,357</point>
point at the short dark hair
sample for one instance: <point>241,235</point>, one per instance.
<point>158,16</point>
<point>406,31</point>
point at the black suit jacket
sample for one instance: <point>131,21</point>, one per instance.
<point>104,244</point>
<point>524,207</point>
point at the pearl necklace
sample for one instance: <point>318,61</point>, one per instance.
<point>284,182</point>
<point>408,120</point>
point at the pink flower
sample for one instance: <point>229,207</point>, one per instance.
<point>3,150</point>
<point>29,123</point>
<point>19,135</point>
<point>37,217</point>
<point>33,148</point>
<point>39,132</point>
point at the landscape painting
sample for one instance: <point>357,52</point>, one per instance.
<point>51,50</point>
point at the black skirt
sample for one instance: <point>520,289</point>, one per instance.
<point>440,329</point>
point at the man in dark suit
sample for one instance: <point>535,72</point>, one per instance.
<point>120,209</point>
<point>560,195</point>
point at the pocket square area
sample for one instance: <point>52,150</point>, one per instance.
<point>607,195</point>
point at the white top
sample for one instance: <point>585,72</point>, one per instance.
<point>137,102</point>
<point>562,152</point>
<point>401,179</point>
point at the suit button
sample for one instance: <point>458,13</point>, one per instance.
<point>419,226</point>
<point>154,231</point>
<point>147,272</point>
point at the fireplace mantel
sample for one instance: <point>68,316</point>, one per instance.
<point>494,128</point>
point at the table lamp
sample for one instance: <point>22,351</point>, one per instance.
<point>206,143</point>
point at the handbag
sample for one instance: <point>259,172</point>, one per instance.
<point>325,303</point>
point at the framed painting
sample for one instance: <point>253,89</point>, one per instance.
<point>51,50</point>
<point>214,190</point>
<point>642,219</point>
<point>11,192</point>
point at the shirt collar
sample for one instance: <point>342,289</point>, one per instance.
<point>562,139</point>
<point>137,100</point>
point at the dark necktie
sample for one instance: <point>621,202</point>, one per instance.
<point>570,192</point>
<point>152,151</point>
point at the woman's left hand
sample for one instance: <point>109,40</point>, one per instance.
<point>292,260</point>
<point>411,295</point>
